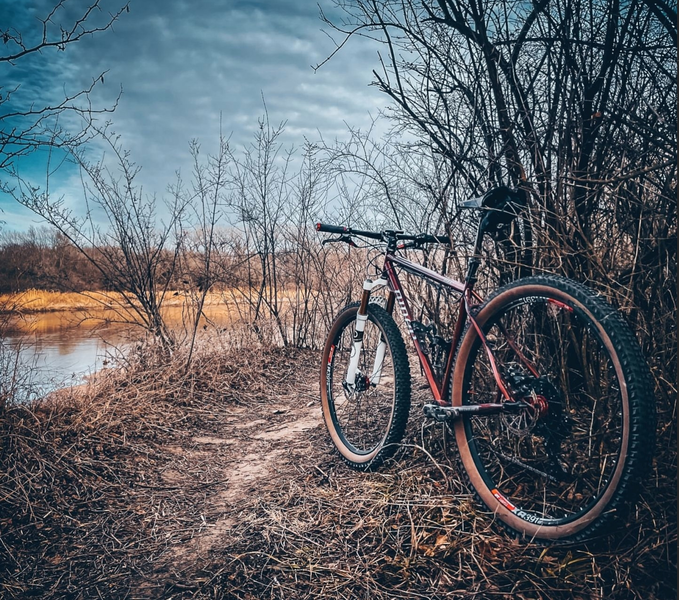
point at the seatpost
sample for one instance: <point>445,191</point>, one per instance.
<point>475,260</point>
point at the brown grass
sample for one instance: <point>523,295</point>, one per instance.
<point>83,502</point>
<point>43,300</point>
<point>137,486</point>
<point>413,531</point>
<point>34,301</point>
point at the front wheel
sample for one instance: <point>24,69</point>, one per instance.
<point>367,420</point>
<point>561,468</point>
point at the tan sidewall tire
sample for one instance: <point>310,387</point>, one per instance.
<point>401,401</point>
<point>532,530</point>
<point>327,417</point>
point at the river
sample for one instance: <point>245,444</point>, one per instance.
<point>61,348</point>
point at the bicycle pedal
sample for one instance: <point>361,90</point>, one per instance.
<point>441,414</point>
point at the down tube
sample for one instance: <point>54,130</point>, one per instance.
<point>407,317</point>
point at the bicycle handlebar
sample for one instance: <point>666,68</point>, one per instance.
<point>331,228</point>
<point>347,230</point>
<point>421,238</point>
<point>427,238</point>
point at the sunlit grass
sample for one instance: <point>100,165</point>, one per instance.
<point>32,301</point>
<point>44,300</point>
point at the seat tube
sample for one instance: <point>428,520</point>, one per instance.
<point>361,318</point>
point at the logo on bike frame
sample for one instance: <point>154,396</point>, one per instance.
<point>404,312</point>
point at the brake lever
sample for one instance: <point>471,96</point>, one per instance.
<point>343,238</point>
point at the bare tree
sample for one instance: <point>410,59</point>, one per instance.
<point>571,100</point>
<point>25,126</point>
<point>200,264</point>
<point>120,235</point>
<point>262,189</point>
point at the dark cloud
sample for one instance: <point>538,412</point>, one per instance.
<point>182,64</point>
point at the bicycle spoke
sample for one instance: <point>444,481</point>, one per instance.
<point>364,413</point>
<point>557,464</point>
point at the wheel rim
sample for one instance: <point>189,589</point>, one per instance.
<point>361,418</point>
<point>584,420</point>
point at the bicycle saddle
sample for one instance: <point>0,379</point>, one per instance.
<point>501,205</point>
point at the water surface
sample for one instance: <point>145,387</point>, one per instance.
<point>59,349</point>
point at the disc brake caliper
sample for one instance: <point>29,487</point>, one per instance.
<point>547,417</point>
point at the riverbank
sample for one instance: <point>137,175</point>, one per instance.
<point>39,301</point>
<point>221,482</point>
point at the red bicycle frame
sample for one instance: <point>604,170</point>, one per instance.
<point>440,389</point>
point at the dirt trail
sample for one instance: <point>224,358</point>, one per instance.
<point>248,454</point>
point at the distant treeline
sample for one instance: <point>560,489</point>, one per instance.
<point>44,259</point>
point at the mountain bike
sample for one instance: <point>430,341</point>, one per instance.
<point>543,384</point>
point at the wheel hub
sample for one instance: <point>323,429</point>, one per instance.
<point>540,396</point>
<point>545,417</point>
<point>539,403</point>
<point>361,384</point>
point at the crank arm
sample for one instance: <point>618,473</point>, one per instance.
<point>444,414</point>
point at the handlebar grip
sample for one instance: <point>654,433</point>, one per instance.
<point>332,228</point>
<point>435,239</point>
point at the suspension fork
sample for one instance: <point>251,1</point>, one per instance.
<point>382,347</point>
<point>361,318</point>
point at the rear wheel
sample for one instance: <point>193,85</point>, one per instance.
<point>569,462</point>
<point>368,420</point>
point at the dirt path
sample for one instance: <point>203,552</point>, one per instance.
<point>249,453</point>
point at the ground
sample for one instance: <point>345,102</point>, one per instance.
<point>247,458</point>
<point>222,483</point>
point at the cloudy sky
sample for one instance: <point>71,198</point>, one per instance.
<point>182,63</point>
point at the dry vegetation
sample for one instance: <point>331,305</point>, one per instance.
<point>35,301</point>
<point>222,483</point>
<point>202,470</point>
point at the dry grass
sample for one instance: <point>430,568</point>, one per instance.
<point>32,301</point>
<point>105,492</point>
<point>84,507</point>
<point>412,531</point>
<point>44,301</point>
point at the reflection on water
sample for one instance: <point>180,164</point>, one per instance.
<point>61,348</point>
